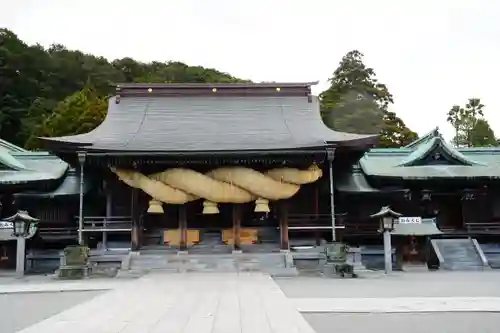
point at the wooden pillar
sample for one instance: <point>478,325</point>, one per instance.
<point>317,234</point>
<point>136,220</point>
<point>109,212</point>
<point>316,199</point>
<point>236,227</point>
<point>81,160</point>
<point>182,227</point>
<point>284,243</point>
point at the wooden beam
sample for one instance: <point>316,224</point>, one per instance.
<point>182,227</point>
<point>236,227</point>
<point>284,244</point>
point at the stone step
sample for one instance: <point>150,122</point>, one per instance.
<point>459,254</point>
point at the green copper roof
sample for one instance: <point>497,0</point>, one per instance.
<point>356,182</point>
<point>426,228</point>
<point>436,145</point>
<point>7,161</point>
<point>423,139</point>
<point>69,186</point>
<point>11,147</point>
<point>23,167</point>
<point>432,157</point>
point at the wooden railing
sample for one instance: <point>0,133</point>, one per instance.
<point>106,224</point>
<point>346,225</point>
<point>361,228</point>
<point>311,222</point>
<point>48,229</point>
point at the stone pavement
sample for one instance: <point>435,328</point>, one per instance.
<point>398,304</point>
<point>60,286</point>
<point>184,303</point>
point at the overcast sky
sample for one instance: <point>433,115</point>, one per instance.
<point>430,53</point>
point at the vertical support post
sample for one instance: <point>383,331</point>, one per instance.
<point>183,227</point>
<point>109,213</point>
<point>20,256</point>
<point>284,243</point>
<point>387,252</point>
<point>136,223</point>
<point>236,227</point>
<point>81,159</point>
<point>331,156</point>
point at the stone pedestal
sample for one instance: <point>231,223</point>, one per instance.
<point>288,258</point>
<point>328,269</point>
<point>354,257</point>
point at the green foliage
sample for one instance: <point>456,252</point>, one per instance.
<point>356,102</point>
<point>42,89</point>
<point>394,132</point>
<point>471,130</point>
<point>78,113</point>
<point>482,135</point>
<point>355,113</point>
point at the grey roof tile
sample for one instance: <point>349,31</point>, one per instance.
<point>213,123</point>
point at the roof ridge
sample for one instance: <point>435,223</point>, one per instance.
<point>10,146</point>
<point>424,139</point>
<point>10,161</point>
<point>426,148</point>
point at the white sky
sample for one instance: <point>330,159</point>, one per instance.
<point>432,54</point>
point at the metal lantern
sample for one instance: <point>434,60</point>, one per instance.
<point>21,222</point>
<point>20,228</point>
<point>386,216</point>
<point>387,223</point>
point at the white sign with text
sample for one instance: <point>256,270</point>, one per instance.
<point>6,225</point>
<point>410,220</point>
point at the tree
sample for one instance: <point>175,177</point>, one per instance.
<point>355,112</point>
<point>357,102</point>
<point>482,135</point>
<point>76,114</point>
<point>394,132</point>
<point>35,84</point>
<point>464,119</point>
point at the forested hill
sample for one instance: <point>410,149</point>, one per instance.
<point>34,80</point>
<point>56,91</point>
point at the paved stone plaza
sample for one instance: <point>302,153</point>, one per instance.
<point>434,302</point>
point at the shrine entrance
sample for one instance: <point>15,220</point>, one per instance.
<point>411,238</point>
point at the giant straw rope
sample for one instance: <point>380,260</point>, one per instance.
<point>221,185</point>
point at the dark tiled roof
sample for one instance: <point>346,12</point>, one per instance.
<point>220,121</point>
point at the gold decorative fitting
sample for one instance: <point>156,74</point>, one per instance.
<point>155,207</point>
<point>214,89</point>
<point>150,90</point>
<point>278,89</point>
<point>262,206</point>
<point>210,208</point>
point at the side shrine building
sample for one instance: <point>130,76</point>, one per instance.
<point>211,167</point>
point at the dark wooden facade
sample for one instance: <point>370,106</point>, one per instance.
<point>458,188</point>
<point>150,128</point>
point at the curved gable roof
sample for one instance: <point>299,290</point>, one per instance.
<point>211,118</point>
<point>430,147</point>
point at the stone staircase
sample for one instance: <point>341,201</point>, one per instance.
<point>275,264</point>
<point>211,242</point>
<point>456,254</point>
